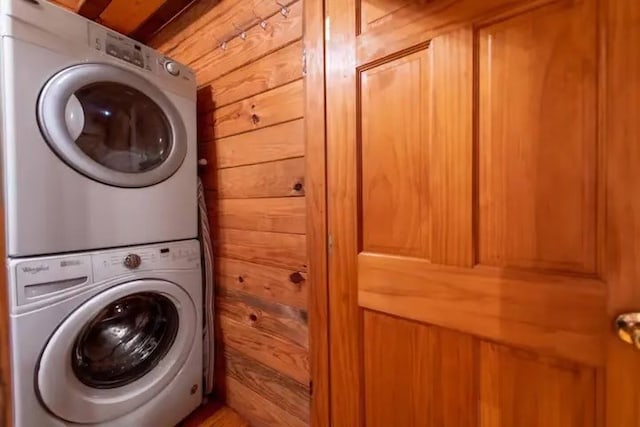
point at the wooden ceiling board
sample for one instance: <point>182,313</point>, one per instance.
<point>92,8</point>
<point>125,16</point>
<point>138,19</point>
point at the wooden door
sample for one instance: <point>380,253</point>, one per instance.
<point>483,162</point>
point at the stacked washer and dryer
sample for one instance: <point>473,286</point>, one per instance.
<point>100,199</point>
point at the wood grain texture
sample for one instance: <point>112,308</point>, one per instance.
<point>214,414</point>
<point>167,12</point>
<point>282,141</point>
<point>280,31</point>
<point>210,18</point>
<point>281,215</point>
<point>283,356</point>
<point>125,16</point>
<point>92,9</point>
<point>272,318</point>
<point>558,136</point>
<point>522,389</point>
<point>272,284</point>
<point>281,67</point>
<point>69,4</point>
<point>259,411</point>
<point>315,194</point>
<point>394,158</point>
<point>251,131</point>
<point>451,149</point>
<point>272,249</point>
<point>429,372</point>
<point>536,111</point>
<point>345,320</point>
<point>621,90</point>
<point>374,12</point>
<point>282,178</point>
<point>524,309</point>
<point>288,394</point>
<point>418,22</point>
<point>266,109</point>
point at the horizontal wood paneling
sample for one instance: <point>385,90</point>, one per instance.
<point>210,18</point>
<point>285,392</point>
<point>280,31</point>
<point>283,141</point>
<point>260,411</point>
<point>525,309</point>
<point>285,357</point>
<point>281,178</point>
<point>251,132</point>
<point>282,215</point>
<point>281,67</point>
<point>273,318</point>
<point>284,286</point>
<point>266,109</point>
<point>274,249</point>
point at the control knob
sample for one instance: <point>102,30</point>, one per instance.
<point>132,261</point>
<point>172,68</point>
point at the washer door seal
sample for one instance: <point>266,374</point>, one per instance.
<point>71,399</point>
<point>112,125</point>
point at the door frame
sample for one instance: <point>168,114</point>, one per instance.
<point>619,74</point>
<point>316,208</point>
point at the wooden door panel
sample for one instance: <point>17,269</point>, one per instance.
<point>476,212</point>
<point>417,375</point>
<point>537,139</point>
<point>555,315</point>
<point>526,390</point>
<point>395,185</point>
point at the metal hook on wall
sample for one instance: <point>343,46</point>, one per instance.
<point>284,10</point>
<point>242,34</point>
<point>262,22</point>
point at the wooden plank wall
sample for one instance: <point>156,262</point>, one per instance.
<point>251,131</point>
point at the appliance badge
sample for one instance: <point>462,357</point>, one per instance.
<point>35,270</point>
<point>70,262</point>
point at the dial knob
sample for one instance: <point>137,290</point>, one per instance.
<point>172,68</point>
<point>132,261</point>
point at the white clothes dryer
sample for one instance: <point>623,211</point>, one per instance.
<point>98,136</point>
<point>108,338</point>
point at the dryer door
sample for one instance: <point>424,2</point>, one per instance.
<point>112,125</point>
<point>117,351</point>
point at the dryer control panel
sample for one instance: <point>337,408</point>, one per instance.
<point>116,45</point>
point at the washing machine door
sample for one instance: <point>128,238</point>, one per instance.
<point>117,351</point>
<point>112,125</point>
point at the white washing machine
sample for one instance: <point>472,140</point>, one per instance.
<point>107,338</point>
<point>98,136</point>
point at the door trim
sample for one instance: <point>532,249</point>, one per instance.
<point>316,209</point>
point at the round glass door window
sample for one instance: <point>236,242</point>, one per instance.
<point>112,125</point>
<point>125,340</point>
<point>119,127</point>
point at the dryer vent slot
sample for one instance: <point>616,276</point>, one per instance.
<point>45,288</point>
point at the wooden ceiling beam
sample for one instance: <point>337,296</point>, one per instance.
<point>92,8</point>
<point>166,13</point>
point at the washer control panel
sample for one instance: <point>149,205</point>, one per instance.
<point>169,256</point>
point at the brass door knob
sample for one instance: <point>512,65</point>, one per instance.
<point>628,326</point>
